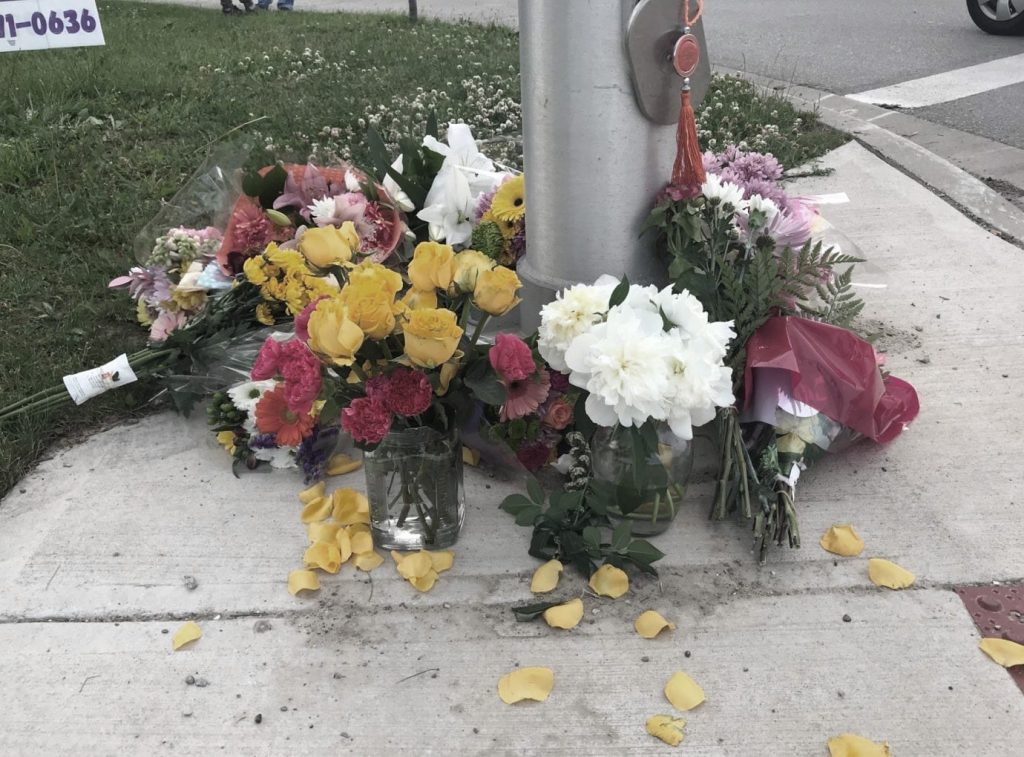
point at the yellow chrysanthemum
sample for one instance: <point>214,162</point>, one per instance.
<point>264,314</point>
<point>142,313</point>
<point>509,203</point>
<point>255,272</point>
<point>191,301</point>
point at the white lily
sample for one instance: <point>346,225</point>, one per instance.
<point>395,192</point>
<point>449,208</point>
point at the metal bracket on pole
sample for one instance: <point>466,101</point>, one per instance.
<point>651,35</point>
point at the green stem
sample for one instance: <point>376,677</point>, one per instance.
<point>484,317</point>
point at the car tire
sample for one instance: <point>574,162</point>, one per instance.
<point>985,22</point>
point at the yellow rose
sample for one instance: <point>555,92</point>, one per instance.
<point>496,289</point>
<point>416,300</point>
<point>432,266</point>
<point>469,264</point>
<point>372,309</point>
<point>376,276</point>
<point>332,335</point>
<point>327,246</point>
<point>431,337</point>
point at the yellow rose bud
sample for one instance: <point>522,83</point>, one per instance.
<point>469,264</point>
<point>350,235</point>
<point>416,300</point>
<point>431,337</point>
<point>496,289</point>
<point>376,276</point>
<point>432,266</point>
<point>373,310</point>
<point>326,247</point>
<point>332,335</point>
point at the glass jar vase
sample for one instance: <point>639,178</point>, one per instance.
<point>649,496</point>
<point>414,485</point>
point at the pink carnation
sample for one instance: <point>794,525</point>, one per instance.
<point>408,392</point>
<point>301,371</point>
<point>511,358</point>
<point>366,420</point>
<point>267,361</point>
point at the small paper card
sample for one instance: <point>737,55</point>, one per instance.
<point>95,381</point>
<point>46,24</point>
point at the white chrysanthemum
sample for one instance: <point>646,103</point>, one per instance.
<point>352,181</point>
<point>322,209</point>
<point>720,192</point>
<point>278,457</point>
<point>571,314</point>
<point>622,363</point>
<point>759,204</point>
<point>246,396</point>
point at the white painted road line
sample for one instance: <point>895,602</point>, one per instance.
<point>951,85</point>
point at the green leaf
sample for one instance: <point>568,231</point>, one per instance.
<point>621,536</point>
<point>378,151</point>
<point>251,184</point>
<point>526,613</point>
<point>515,503</point>
<point>488,389</point>
<point>534,489</point>
<point>528,515</point>
<point>592,536</point>
<point>642,551</point>
<point>619,294</point>
<point>432,129</point>
<point>273,185</point>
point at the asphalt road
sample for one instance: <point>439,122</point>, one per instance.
<point>848,47</point>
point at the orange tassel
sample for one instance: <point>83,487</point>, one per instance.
<point>688,172</point>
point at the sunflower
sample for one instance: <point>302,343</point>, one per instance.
<point>509,202</point>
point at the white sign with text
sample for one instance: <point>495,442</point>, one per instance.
<point>46,24</point>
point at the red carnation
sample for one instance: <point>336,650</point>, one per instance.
<point>366,420</point>
<point>408,392</point>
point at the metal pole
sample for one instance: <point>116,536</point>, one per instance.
<point>594,163</point>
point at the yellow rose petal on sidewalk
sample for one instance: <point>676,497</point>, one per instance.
<point>362,542</point>
<point>442,561</point>
<point>566,615</point>
<point>609,581</point>
<point>545,578</point>
<point>322,531</point>
<point>666,728</point>
<point>302,580</point>
<point>425,582</point>
<point>324,555</point>
<point>317,510</point>
<point>1007,653</point>
<point>651,623</point>
<point>350,507</point>
<point>344,542</point>
<point>367,561</point>
<point>189,631</point>
<point>683,692</point>
<point>851,745</point>
<point>889,574</point>
<point>526,683</point>
<point>416,565</point>
<point>316,491</point>
<point>842,541</point>
<point>340,464</point>
<point>470,456</point>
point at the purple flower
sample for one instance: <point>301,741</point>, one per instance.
<point>315,451</point>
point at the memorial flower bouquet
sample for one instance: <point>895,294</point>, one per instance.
<point>648,365</point>
<point>744,248</point>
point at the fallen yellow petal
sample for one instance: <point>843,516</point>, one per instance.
<point>666,728</point>
<point>416,565</point>
<point>302,580</point>
<point>317,510</point>
<point>322,531</point>
<point>358,528</point>
<point>189,631</point>
<point>609,581</point>
<point>344,542</point>
<point>340,464</point>
<point>651,623</point>
<point>889,574</point>
<point>397,556</point>
<point>367,561</point>
<point>425,583</point>
<point>545,578</point>
<point>851,745</point>
<point>1007,653</point>
<point>842,541</point>
<point>362,542</point>
<point>526,683</point>
<point>442,561</point>
<point>566,615</point>
<point>324,555</point>
<point>683,692</point>
<point>316,491</point>
<point>350,507</point>
<point>470,456</point>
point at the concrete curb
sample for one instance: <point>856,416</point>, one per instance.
<point>942,176</point>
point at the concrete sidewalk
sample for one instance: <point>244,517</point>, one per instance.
<point>95,543</point>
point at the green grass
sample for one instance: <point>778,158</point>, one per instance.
<point>93,140</point>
